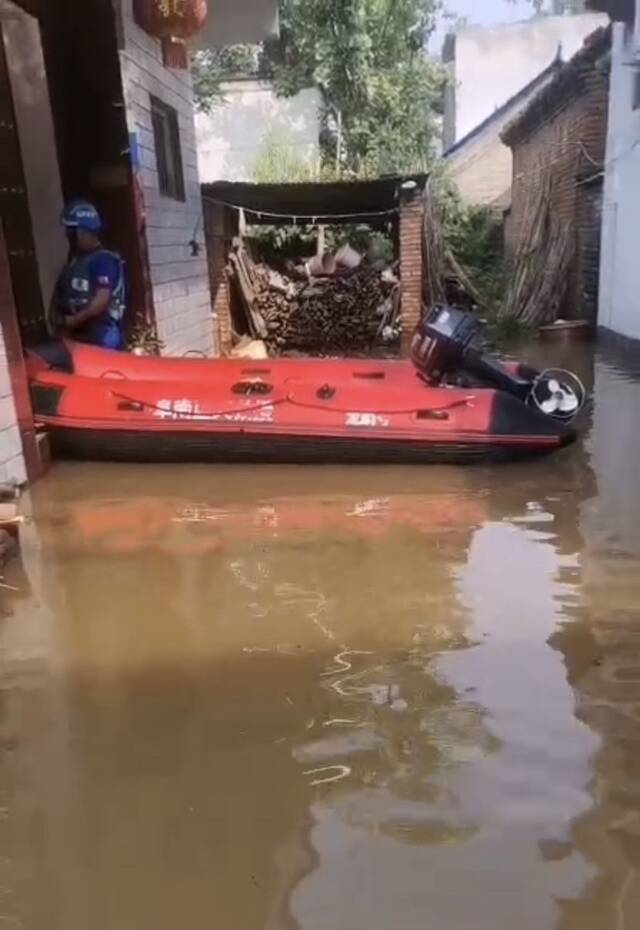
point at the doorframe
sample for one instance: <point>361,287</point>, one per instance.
<point>17,368</point>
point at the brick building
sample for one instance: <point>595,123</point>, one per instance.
<point>561,135</point>
<point>488,64</point>
<point>92,106</point>
<point>480,164</point>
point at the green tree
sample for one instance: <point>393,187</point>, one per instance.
<point>211,67</point>
<point>381,91</point>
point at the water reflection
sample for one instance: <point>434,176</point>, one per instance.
<point>600,643</point>
<point>326,698</point>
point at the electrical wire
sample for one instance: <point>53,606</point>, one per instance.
<point>313,217</point>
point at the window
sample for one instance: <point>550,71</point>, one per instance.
<point>166,134</point>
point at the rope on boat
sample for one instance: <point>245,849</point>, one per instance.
<point>199,416</point>
<point>266,403</point>
<point>295,403</point>
<point>443,407</point>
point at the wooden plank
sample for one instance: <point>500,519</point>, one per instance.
<point>17,369</point>
<point>23,288</point>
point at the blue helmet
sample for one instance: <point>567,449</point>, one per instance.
<point>81,215</point>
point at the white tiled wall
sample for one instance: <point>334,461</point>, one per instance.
<point>180,281</point>
<point>12,466</point>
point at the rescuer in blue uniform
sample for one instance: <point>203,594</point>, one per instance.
<point>90,297</point>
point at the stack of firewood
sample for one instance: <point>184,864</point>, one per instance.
<point>348,310</point>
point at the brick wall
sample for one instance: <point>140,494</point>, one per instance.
<point>180,280</point>
<point>411,262</point>
<point>12,467</point>
<point>570,141</point>
<point>219,226</point>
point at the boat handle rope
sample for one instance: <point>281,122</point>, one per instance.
<point>199,416</point>
<point>310,406</point>
<point>281,400</point>
<point>106,375</point>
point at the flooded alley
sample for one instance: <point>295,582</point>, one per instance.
<point>323,698</point>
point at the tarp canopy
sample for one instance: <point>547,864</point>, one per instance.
<point>332,202</point>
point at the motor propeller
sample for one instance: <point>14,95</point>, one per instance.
<point>558,394</point>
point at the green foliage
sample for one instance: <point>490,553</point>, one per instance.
<point>373,243</point>
<point>475,236</point>
<point>211,67</point>
<point>278,162</point>
<point>278,245</point>
<point>143,338</point>
<point>380,89</point>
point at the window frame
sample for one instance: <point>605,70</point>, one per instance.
<point>168,150</point>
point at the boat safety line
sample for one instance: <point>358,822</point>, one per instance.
<point>200,416</point>
<point>281,400</point>
<point>310,406</point>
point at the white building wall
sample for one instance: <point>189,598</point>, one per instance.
<point>180,280</point>
<point>233,135</point>
<point>492,64</point>
<point>619,308</point>
<point>232,22</point>
<point>12,467</point>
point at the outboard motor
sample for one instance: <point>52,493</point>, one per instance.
<point>444,349</point>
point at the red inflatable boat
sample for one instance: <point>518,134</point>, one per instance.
<point>113,406</point>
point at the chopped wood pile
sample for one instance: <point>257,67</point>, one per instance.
<point>330,304</point>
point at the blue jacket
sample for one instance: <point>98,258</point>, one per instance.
<point>78,284</point>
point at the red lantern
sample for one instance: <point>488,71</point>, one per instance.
<point>172,21</point>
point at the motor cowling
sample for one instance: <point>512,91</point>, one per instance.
<point>440,342</point>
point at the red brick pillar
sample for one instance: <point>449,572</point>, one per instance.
<point>411,260</point>
<point>218,239</point>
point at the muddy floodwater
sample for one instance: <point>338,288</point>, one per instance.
<point>236,698</point>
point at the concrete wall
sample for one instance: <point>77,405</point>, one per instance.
<point>619,307</point>
<point>482,171</point>
<point>240,21</point>
<point>232,137</point>
<point>482,167</point>
<point>180,281</point>
<point>492,64</point>
<point>12,467</point>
